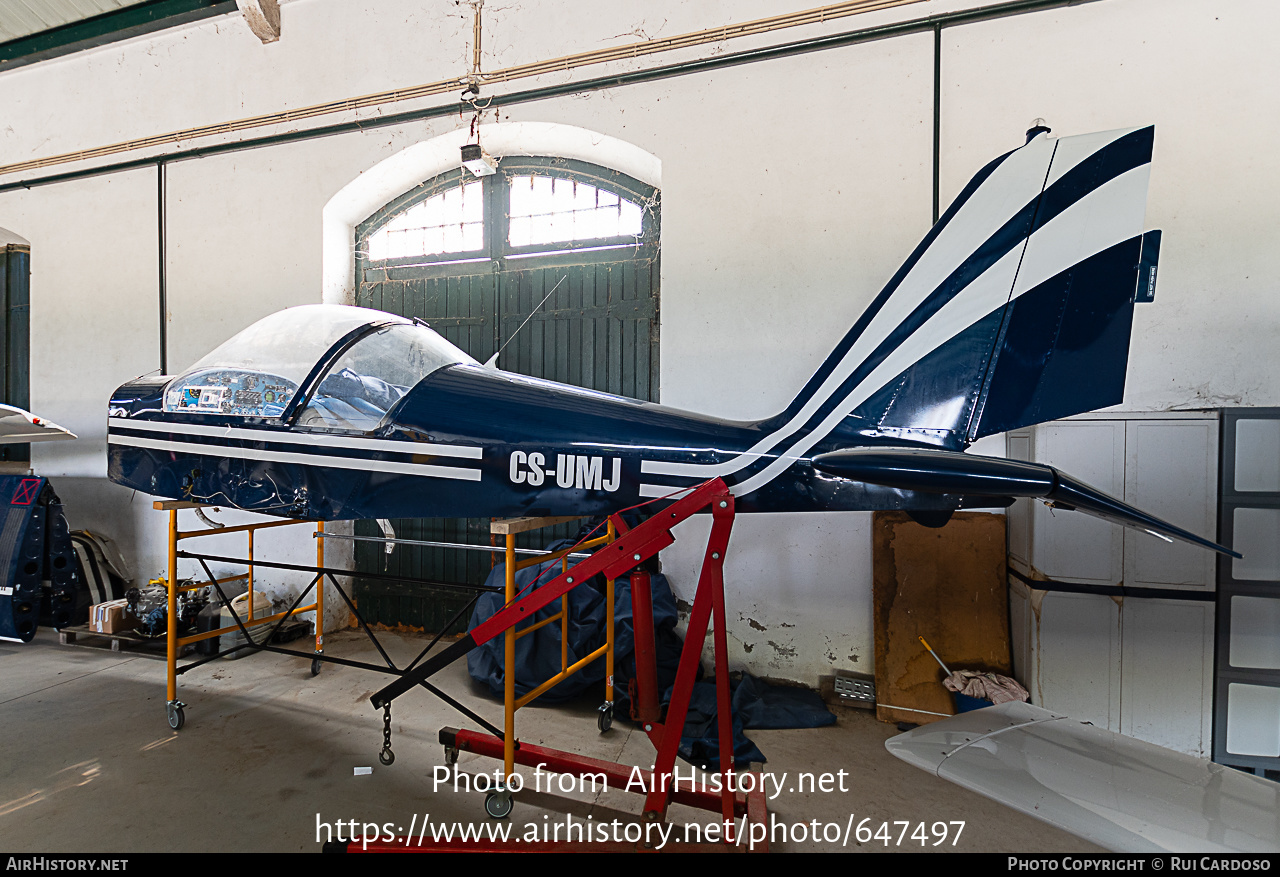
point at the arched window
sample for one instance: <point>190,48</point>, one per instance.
<point>476,257</point>
<point>553,261</point>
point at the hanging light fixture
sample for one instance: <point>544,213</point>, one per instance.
<point>477,160</point>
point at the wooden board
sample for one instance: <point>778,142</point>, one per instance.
<point>947,585</point>
<point>512,526</point>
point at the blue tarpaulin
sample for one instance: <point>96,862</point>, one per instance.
<point>755,704</point>
<point>538,654</point>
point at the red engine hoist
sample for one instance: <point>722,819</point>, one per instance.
<point>633,547</point>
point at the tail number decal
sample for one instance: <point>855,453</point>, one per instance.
<point>571,470</point>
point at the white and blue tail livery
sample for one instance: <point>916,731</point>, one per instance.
<point>1015,309</point>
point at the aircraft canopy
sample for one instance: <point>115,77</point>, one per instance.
<point>259,371</point>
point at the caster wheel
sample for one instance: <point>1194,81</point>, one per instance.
<point>177,718</point>
<point>604,717</point>
<point>386,756</point>
<point>315,666</point>
<point>451,755</point>
<point>498,804</point>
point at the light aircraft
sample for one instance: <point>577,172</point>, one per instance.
<point>1015,309</point>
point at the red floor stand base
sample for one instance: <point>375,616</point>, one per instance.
<point>743,824</point>
<point>748,833</point>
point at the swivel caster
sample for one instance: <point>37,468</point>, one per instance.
<point>315,666</point>
<point>451,755</point>
<point>498,804</point>
<point>177,718</point>
<point>604,716</point>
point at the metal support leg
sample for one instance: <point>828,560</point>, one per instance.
<point>667,736</point>
<point>173,707</point>
<point>645,707</point>
<point>609,599</point>
<point>509,668</point>
<point>319,623</point>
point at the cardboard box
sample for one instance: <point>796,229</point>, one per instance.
<point>112,616</point>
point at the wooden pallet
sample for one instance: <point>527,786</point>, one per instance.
<point>117,642</point>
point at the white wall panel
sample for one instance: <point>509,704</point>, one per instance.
<point>95,317</point>
<point>1171,471</point>
<point>1160,685</point>
<point>1076,657</point>
<point>1120,63</point>
<point>1255,632</point>
<point>1020,621</point>
<point>1166,694</point>
<point>1253,720</point>
<point>1069,545</point>
<point>1257,456</point>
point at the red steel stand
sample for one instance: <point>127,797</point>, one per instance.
<point>660,787</point>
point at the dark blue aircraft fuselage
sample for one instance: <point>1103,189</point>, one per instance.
<point>1015,309</point>
<point>468,441</point>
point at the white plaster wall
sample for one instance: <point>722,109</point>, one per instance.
<point>775,237</point>
<point>8,237</point>
<point>791,191</point>
<point>1204,74</point>
<point>216,70</point>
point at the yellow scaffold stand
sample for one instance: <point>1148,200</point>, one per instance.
<point>508,528</point>
<point>175,644</point>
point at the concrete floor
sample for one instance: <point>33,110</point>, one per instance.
<point>268,754</point>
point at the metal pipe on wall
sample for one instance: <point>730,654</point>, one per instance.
<point>653,74</point>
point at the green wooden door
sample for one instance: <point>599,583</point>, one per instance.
<point>15,333</point>
<point>562,276</point>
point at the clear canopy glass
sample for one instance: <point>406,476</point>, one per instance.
<point>258,371</point>
<point>374,373</point>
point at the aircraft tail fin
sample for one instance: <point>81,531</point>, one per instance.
<point>1015,309</point>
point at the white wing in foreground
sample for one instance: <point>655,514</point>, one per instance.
<point>1120,793</point>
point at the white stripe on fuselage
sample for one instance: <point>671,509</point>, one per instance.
<point>313,439</point>
<point>1109,215</point>
<point>1011,186</point>
<point>360,464</point>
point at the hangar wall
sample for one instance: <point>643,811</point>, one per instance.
<point>792,189</point>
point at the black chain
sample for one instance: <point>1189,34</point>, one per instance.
<point>386,756</point>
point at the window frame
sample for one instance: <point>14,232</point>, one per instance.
<point>496,220</point>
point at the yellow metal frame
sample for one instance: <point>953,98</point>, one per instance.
<point>175,643</point>
<point>508,528</point>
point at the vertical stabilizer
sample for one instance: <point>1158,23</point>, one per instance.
<point>1015,308</point>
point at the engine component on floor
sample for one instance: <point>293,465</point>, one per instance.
<point>150,606</point>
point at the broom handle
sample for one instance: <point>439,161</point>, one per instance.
<point>944,667</point>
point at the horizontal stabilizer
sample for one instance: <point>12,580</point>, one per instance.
<point>951,472</point>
